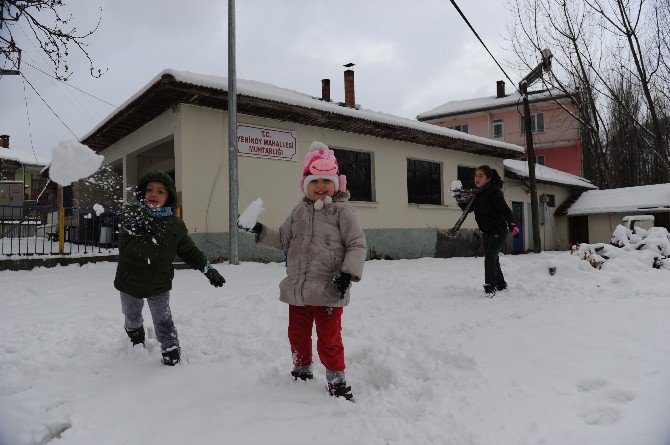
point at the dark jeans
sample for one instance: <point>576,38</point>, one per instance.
<point>493,243</point>
<point>159,305</point>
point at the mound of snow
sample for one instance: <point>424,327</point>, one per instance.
<point>636,249</point>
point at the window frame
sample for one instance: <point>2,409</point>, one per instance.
<point>471,181</point>
<point>370,172</point>
<point>533,123</point>
<point>411,195</point>
<point>494,124</point>
<point>463,128</point>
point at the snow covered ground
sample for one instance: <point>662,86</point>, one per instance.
<point>581,357</point>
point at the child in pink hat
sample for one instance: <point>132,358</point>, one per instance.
<point>326,253</point>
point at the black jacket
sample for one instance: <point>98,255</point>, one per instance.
<point>491,211</point>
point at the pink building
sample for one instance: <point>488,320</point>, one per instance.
<point>555,131</point>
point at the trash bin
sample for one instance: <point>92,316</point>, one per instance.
<point>105,235</point>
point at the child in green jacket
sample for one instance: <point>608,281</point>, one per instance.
<point>150,237</point>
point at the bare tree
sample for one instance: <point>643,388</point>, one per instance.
<point>51,29</point>
<point>595,45</point>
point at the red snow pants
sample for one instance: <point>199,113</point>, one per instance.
<point>328,332</point>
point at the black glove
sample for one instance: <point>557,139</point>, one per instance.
<point>256,230</point>
<point>215,278</point>
<point>342,281</point>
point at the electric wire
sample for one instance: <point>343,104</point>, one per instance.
<point>453,2</point>
<point>49,107</point>
<point>30,130</point>
<point>70,85</point>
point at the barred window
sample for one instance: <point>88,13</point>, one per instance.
<point>424,182</point>
<point>357,166</point>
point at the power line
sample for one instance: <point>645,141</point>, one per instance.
<point>453,2</point>
<point>30,130</point>
<point>70,85</point>
<point>45,103</point>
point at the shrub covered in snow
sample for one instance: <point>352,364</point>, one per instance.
<point>630,249</point>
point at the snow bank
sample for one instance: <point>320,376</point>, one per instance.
<point>72,161</point>
<point>635,249</point>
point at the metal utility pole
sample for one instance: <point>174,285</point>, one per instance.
<point>233,233</point>
<point>534,75</point>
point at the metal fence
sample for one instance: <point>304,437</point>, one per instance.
<point>52,230</point>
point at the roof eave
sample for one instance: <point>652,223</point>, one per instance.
<point>513,175</point>
<point>168,92</point>
<point>487,108</point>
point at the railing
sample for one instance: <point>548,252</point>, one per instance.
<point>51,230</point>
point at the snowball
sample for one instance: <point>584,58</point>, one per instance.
<point>98,209</point>
<point>72,161</point>
<point>249,217</point>
<point>455,185</point>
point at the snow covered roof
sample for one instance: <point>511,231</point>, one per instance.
<point>641,199</point>
<point>456,107</point>
<point>547,174</point>
<point>388,125</point>
<point>23,157</point>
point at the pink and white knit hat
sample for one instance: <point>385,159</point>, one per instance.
<point>320,163</point>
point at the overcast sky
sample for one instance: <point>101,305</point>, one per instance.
<point>409,56</point>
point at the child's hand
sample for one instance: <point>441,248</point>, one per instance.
<point>256,230</point>
<point>342,281</point>
<point>215,278</point>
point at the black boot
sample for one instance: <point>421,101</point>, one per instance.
<point>340,389</point>
<point>490,290</point>
<point>171,357</point>
<point>501,286</point>
<point>136,336</point>
<point>302,375</point>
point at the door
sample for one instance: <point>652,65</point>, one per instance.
<point>578,229</point>
<point>518,243</point>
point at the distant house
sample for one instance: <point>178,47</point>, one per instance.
<point>500,117</point>
<point>22,165</point>
<point>594,216</point>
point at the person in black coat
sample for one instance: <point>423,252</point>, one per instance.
<point>494,219</point>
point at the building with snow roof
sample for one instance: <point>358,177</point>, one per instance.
<point>399,170</point>
<point>500,117</point>
<point>596,213</point>
<point>554,189</point>
<point>19,164</point>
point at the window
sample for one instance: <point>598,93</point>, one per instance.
<point>424,182</point>
<point>467,176</point>
<point>498,129</point>
<point>536,123</point>
<point>461,127</point>
<point>550,199</point>
<point>357,167</point>
<point>538,160</point>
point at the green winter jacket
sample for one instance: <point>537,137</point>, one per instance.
<point>148,244</point>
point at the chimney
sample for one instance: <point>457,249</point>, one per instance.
<point>4,141</point>
<point>349,97</point>
<point>325,90</point>
<point>500,89</point>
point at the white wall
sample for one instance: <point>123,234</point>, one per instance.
<point>554,231</point>
<point>202,141</point>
